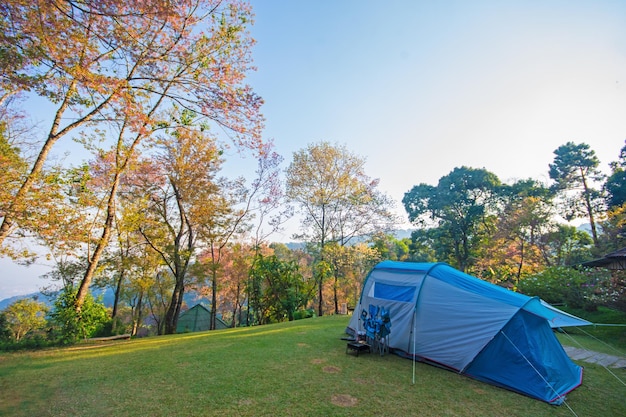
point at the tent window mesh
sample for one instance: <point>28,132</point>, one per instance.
<point>394,292</point>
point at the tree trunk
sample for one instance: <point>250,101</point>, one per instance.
<point>110,217</point>
<point>592,222</point>
<point>173,311</point>
<point>320,310</point>
<point>320,307</point>
<point>171,316</point>
<point>179,305</point>
<point>116,300</point>
<point>237,305</point>
<point>335,285</point>
<point>138,316</point>
<point>249,302</point>
<point>83,289</point>
<point>213,297</point>
<point>521,263</point>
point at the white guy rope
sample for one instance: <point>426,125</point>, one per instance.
<point>539,373</point>
<point>576,342</point>
<point>602,342</point>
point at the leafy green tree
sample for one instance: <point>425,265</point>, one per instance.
<point>236,265</point>
<point>5,331</point>
<point>24,317</point>
<point>158,290</point>
<point>389,247</point>
<point>613,230</point>
<point>574,170</point>
<point>188,196</point>
<point>614,226</point>
<point>425,245</point>
<point>127,269</point>
<point>350,265</point>
<point>282,251</point>
<point>565,246</point>
<point>140,284</point>
<point>574,287</point>
<point>616,183</point>
<point>460,207</point>
<point>278,289</point>
<point>73,325</point>
<point>338,202</point>
<point>229,213</point>
<point>304,258</point>
<point>513,250</point>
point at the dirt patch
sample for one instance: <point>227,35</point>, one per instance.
<point>303,345</point>
<point>246,402</point>
<point>362,381</point>
<point>479,391</point>
<point>331,369</point>
<point>317,361</point>
<point>344,400</point>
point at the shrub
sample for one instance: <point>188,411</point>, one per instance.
<point>31,341</point>
<point>304,314</point>
<point>69,325</point>
<point>5,331</point>
<point>564,285</point>
<point>610,289</point>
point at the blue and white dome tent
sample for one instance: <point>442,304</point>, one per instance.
<point>445,317</point>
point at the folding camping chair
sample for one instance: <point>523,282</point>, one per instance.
<point>385,330</point>
<point>377,328</point>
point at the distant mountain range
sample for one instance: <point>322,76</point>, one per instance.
<point>191,298</point>
<point>398,234</point>
<point>36,296</point>
<point>108,298</point>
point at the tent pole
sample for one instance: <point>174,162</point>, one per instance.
<point>414,311</point>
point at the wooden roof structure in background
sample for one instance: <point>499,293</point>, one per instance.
<point>614,260</point>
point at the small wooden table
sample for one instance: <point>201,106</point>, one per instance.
<point>358,347</point>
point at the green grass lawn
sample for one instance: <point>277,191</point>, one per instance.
<point>290,369</point>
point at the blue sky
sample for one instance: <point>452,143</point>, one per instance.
<point>421,87</point>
